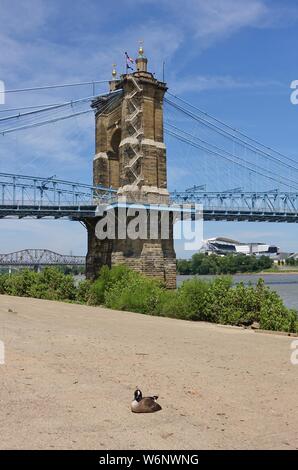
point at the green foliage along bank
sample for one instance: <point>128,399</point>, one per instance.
<point>120,288</point>
<point>201,263</point>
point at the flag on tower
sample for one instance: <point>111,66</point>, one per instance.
<point>129,58</point>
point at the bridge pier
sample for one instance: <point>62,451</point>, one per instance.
<point>154,257</point>
<point>130,156</point>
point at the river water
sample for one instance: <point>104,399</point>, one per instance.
<point>286,285</point>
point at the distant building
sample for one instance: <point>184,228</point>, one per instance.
<point>282,257</point>
<point>224,246</point>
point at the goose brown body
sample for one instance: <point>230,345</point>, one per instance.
<point>144,404</point>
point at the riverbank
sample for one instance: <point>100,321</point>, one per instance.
<point>253,273</point>
<point>285,286</point>
<point>71,370</point>
<point>281,271</point>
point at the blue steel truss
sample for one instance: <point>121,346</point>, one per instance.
<point>37,197</point>
<point>23,190</point>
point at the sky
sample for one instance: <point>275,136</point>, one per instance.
<point>232,58</point>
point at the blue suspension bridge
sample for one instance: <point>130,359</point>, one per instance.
<point>263,181</point>
<point>37,197</point>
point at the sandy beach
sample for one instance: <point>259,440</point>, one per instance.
<point>71,370</point>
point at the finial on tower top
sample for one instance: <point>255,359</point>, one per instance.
<point>141,61</point>
<point>114,72</point>
<point>141,49</point>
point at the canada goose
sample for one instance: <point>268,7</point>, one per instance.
<point>144,405</point>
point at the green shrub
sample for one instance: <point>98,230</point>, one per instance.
<point>83,291</point>
<point>216,299</point>
<point>168,303</point>
<point>52,284</point>
<point>49,284</point>
<point>20,283</point>
<point>123,289</point>
<point>192,298</point>
<point>276,317</point>
<point>3,279</point>
<point>134,292</point>
<point>107,278</point>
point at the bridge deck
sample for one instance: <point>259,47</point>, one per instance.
<point>35,197</point>
<point>81,212</point>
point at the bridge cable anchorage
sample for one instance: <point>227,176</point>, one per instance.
<point>51,121</point>
<point>233,128</point>
<point>59,85</point>
<point>201,147</point>
<point>231,136</point>
<point>233,155</point>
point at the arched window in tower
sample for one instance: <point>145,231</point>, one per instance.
<point>113,156</point>
<point>115,141</point>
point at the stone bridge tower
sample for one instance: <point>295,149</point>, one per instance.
<point>131,158</point>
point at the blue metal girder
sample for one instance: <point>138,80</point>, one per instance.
<point>38,197</point>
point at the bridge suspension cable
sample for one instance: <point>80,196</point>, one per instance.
<point>22,108</point>
<point>59,118</point>
<point>59,85</point>
<point>230,135</point>
<point>262,171</point>
<point>47,108</point>
<point>213,152</point>
<point>233,128</point>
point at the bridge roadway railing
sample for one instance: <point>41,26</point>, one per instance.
<point>270,202</point>
<point>29,196</point>
<point>20,190</point>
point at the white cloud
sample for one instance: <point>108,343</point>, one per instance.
<point>199,83</point>
<point>18,17</point>
<point>214,19</point>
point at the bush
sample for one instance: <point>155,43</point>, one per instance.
<point>107,278</point>
<point>216,299</point>
<point>54,285</point>
<point>123,289</point>
<point>134,292</point>
<point>276,317</point>
<point>49,284</point>
<point>20,283</point>
<point>3,279</point>
<point>83,291</point>
<point>192,298</point>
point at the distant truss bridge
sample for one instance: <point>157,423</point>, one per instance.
<point>39,258</point>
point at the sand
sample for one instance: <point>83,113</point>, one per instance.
<point>71,370</point>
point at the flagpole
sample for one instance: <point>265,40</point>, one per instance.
<point>126,64</point>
